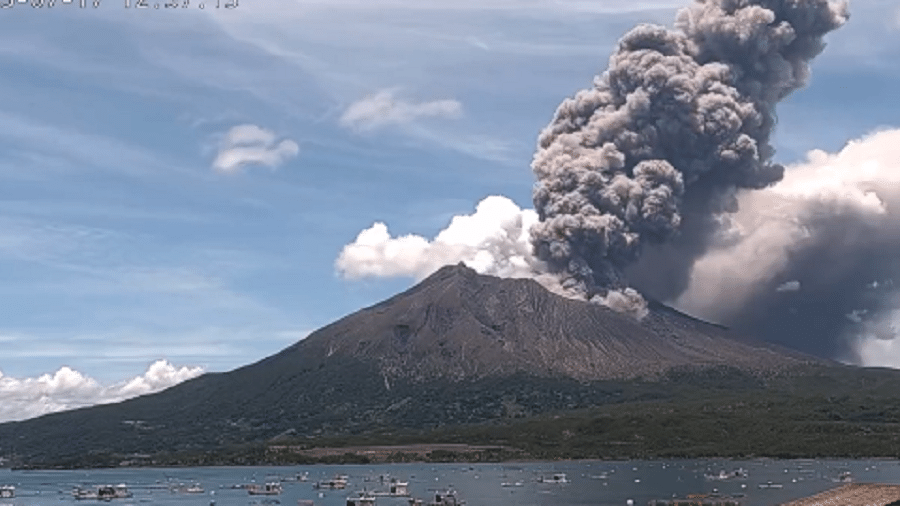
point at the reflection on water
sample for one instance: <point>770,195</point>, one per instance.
<point>595,483</point>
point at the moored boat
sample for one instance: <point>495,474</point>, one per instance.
<point>270,488</point>
<point>362,499</point>
<point>103,492</point>
<point>556,478</point>
<point>441,498</point>
<point>338,482</point>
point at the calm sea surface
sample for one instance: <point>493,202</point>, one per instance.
<point>589,482</point>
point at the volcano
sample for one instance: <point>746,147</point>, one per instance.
<point>458,348</point>
<point>458,325</point>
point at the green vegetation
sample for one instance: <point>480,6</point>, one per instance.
<point>833,412</point>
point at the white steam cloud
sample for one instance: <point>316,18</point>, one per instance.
<point>844,206</point>
<point>384,108</point>
<point>859,185</point>
<point>23,398</point>
<point>832,224</point>
<point>493,240</point>
<point>248,144</point>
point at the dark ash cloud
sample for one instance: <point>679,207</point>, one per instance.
<point>655,151</point>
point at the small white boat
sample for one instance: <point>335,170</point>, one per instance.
<point>512,484</point>
<point>103,492</point>
<point>338,482</point>
<point>270,488</point>
<point>556,478</point>
<point>188,489</point>
<point>396,488</point>
<point>724,475</point>
<point>769,484</point>
<point>363,499</point>
<point>7,491</point>
<point>844,477</point>
<point>441,498</point>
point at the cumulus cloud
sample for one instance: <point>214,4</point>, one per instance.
<point>23,398</point>
<point>492,240</point>
<point>249,144</point>
<point>384,108</point>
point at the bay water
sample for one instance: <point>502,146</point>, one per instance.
<point>761,482</point>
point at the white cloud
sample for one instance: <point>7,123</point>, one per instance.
<point>492,240</point>
<point>384,108</point>
<point>853,195</point>
<point>251,145</point>
<point>65,389</point>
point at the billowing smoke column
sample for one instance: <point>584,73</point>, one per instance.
<point>675,126</point>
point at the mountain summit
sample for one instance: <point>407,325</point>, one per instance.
<point>458,348</point>
<point>457,324</point>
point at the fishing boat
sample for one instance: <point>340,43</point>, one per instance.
<point>396,488</point>
<point>844,477</point>
<point>556,478</point>
<point>441,498</point>
<point>188,489</point>
<point>362,499</point>
<point>338,482</point>
<point>270,488</point>
<point>103,492</point>
<point>739,473</point>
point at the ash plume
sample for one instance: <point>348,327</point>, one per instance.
<point>655,152</point>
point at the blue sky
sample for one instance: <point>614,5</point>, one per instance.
<point>177,184</point>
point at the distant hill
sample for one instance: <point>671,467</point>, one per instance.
<point>457,350</point>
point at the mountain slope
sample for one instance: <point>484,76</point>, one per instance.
<point>457,348</point>
<point>459,324</point>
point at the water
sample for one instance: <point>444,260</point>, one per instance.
<point>589,482</point>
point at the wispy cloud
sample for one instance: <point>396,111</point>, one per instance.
<point>247,144</point>
<point>385,108</point>
<point>67,388</point>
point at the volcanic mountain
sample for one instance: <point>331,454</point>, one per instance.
<point>458,348</point>
<point>459,325</point>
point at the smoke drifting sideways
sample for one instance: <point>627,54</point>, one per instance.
<point>813,262</point>
<point>656,150</point>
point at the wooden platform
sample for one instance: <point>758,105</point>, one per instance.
<point>853,494</point>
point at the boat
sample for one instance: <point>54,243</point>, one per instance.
<point>7,491</point>
<point>556,478</point>
<point>270,488</point>
<point>739,473</point>
<point>103,492</point>
<point>338,482</point>
<point>362,499</point>
<point>512,484</point>
<point>188,489</point>
<point>441,498</point>
<point>844,477</point>
<point>397,488</point>
<point>769,484</point>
